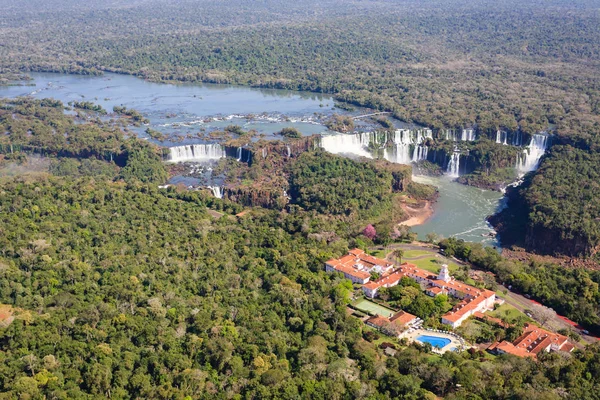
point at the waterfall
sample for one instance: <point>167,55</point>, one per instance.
<point>419,153</point>
<point>450,135</point>
<point>196,152</point>
<point>289,151</point>
<point>420,150</point>
<point>399,153</point>
<point>403,139</point>
<point>217,191</point>
<point>501,137</point>
<point>454,165</point>
<point>403,146</point>
<point>239,154</point>
<point>517,139</point>
<point>531,156</point>
<point>468,135</point>
<point>356,144</point>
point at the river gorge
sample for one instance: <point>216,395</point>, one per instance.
<point>187,114</point>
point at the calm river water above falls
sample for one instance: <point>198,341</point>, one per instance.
<point>186,108</point>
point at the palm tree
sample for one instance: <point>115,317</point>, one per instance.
<point>398,254</point>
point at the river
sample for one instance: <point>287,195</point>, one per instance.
<point>460,211</point>
<point>185,109</point>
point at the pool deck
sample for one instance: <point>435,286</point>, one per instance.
<point>455,340</point>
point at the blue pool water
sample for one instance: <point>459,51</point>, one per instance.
<point>435,341</point>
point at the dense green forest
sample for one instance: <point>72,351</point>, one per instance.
<point>556,210</point>
<point>123,290</point>
<point>41,127</point>
<point>120,289</point>
<point>128,291</point>
<point>445,64</point>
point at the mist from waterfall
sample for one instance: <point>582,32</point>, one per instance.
<point>356,144</point>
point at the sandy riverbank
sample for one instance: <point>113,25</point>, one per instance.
<point>417,214</point>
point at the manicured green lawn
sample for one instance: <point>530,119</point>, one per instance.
<point>416,253</point>
<point>379,253</point>
<point>507,310</point>
<point>434,263</point>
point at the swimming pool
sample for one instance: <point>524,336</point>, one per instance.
<point>435,341</point>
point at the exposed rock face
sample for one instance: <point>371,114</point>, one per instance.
<point>515,228</point>
<point>287,149</point>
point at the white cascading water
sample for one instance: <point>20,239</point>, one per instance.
<point>450,135</point>
<point>419,153</point>
<point>196,152</point>
<point>400,152</point>
<point>289,151</point>
<point>532,154</point>
<point>468,135</point>
<point>403,139</point>
<point>517,139</point>
<point>356,144</point>
<point>454,165</point>
<point>217,191</point>
<point>239,154</point>
<point>501,137</point>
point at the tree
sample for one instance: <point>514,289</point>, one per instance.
<point>398,254</point>
<point>542,314</point>
<point>432,237</point>
<point>370,232</point>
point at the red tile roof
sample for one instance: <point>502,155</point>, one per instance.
<point>534,340</point>
<point>402,318</point>
<point>357,263</point>
<point>378,321</point>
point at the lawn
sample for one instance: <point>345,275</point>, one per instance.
<point>506,310</point>
<point>373,308</point>
<point>416,253</point>
<point>379,253</point>
<point>434,263</point>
